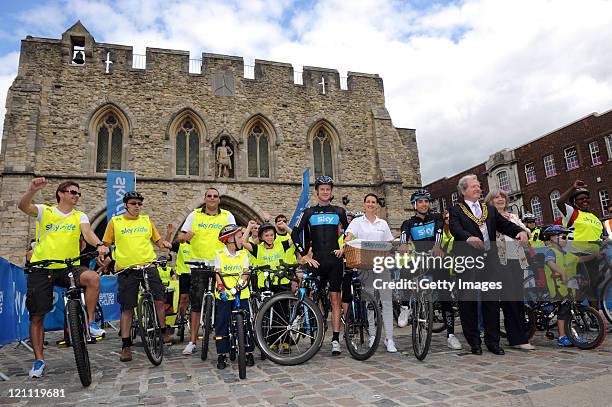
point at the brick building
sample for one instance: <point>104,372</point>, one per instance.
<point>535,174</point>
<point>78,108</point>
<point>444,191</point>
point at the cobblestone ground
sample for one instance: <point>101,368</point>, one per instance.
<point>445,378</point>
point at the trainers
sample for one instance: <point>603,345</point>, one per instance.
<point>37,369</point>
<point>126,354</point>
<point>336,348</point>
<point>189,349</point>
<point>250,360</point>
<point>453,343</point>
<point>95,330</point>
<point>564,341</point>
<point>402,319</point>
<point>525,346</point>
<point>221,362</point>
<point>390,344</point>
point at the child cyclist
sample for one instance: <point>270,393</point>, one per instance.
<point>231,260</point>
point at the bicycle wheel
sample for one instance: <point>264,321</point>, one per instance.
<point>240,333</point>
<point>207,328</point>
<point>289,330</point>
<point>78,324</point>
<point>363,326</point>
<point>606,300</point>
<point>585,327</point>
<point>150,332</point>
<point>438,323</point>
<point>422,319</point>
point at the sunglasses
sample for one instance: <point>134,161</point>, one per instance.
<point>212,196</point>
<point>72,192</point>
<point>562,237</point>
<point>135,203</point>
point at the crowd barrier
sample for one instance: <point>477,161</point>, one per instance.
<point>14,317</point>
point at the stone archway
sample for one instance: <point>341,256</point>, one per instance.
<point>242,213</point>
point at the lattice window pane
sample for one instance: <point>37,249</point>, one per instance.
<point>327,158</point>
<point>194,153</point>
<point>317,156</point>
<point>554,198</point>
<point>181,153</point>
<point>595,154</point>
<point>102,158</point>
<point>503,182</point>
<point>549,166</point>
<point>536,209</point>
<point>571,158</point>
<point>116,148</point>
<point>252,152</point>
<point>530,173</point>
<point>264,170</point>
<point>604,201</point>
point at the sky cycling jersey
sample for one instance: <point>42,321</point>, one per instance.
<point>424,233</point>
<point>319,227</point>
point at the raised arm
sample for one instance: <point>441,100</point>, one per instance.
<point>25,204</point>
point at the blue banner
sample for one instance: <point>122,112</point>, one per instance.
<point>117,184</point>
<point>304,198</point>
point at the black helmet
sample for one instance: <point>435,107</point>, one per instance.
<point>264,227</point>
<point>555,230</point>
<point>228,231</point>
<point>420,194</point>
<point>323,180</point>
<point>579,191</point>
<point>529,217</point>
<point>132,195</point>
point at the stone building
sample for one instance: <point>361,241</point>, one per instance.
<point>78,108</point>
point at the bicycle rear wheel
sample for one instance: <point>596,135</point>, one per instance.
<point>241,334</point>
<point>422,319</point>
<point>150,331</point>
<point>78,324</point>
<point>606,300</point>
<point>207,328</point>
<point>585,327</point>
<point>290,331</point>
<point>363,326</point>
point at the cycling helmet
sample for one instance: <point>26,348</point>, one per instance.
<point>579,191</point>
<point>228,231</point>
<point>555,230</point>
<point>132,195</point>
<point>350,213</point>
<point>323,180</point>
<point>357,214</point>
<point>420,194</point>
<point>529,217</point>
<point>264,227</point>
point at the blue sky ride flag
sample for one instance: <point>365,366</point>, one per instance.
<point>117,184</point>
<point>304,198</point>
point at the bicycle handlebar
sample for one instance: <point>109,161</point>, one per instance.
<point>161,261</point>
<point>69,262</point>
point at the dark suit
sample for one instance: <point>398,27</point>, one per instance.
<point>462,228</point>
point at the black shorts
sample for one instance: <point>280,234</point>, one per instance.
<point>129,282</point>
<point>39,298</point>
<point>199,285</point>
<point>330,270</point>
<point>184,283</point>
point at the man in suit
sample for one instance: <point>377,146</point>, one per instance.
<point>477,225</point>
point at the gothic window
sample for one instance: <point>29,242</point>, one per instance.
<point>257,145</point>
<point>322,153</point>
<point>187,149</point>
<point>110,143</point>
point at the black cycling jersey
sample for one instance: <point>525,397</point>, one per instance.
<point>319,227</point>
<point>425,233</point>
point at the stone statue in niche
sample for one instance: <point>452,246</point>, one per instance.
<point>224,159</point>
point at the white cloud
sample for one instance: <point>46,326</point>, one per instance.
<point>482,73</point>
<point>8,71</point>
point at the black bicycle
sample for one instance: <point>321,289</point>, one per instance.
<point>148,322</point>
<point>75,312</point>
<point>261,283</point>
<point>201,270</point>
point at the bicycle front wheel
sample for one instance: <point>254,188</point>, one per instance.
<point>241,334</point>
<point>290,331</point>
<point>422,320</point>
<point>585,327</point>
<point>363,326</point>
<point>207,328</point>
<point>77,322</point>
<point>150,331</point>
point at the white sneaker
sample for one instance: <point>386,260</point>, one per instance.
<point>402,320</point>
<point>390,345</point>
<point>525,346</point>
<point>336,348</point>
<point>453,343</point>
<point>37,369</point>
<point>95,330</point>
<point>189,349</point>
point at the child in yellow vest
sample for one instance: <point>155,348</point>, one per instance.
<point>228,262</point>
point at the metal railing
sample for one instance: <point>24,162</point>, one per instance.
<point>249,71</point>
<point>139,61</point>
<point>298,79</point>
<point>195,66</point>
<point>343,83</point>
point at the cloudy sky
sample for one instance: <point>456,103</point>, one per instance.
<point>472,77</point>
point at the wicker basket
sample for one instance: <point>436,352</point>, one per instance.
<point>361,258</point>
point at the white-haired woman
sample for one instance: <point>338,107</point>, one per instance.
<point>513,263</point>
